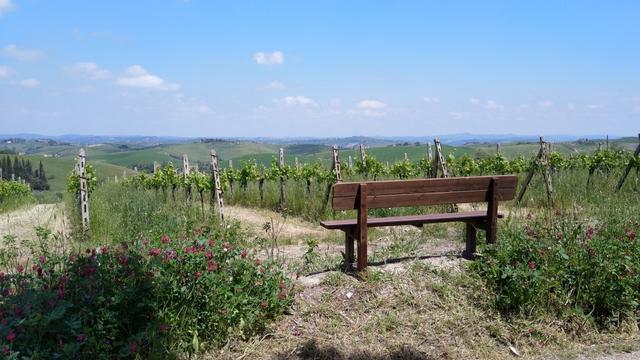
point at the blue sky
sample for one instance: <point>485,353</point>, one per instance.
<point>328,68</point>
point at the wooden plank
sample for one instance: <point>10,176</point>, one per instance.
<point>336,164</point>
<point>400,194</point>
<point>362,227</point>
<point>471,240</point>
<point>492,213</point>
<point>469,216</point>
<point>417,186</point>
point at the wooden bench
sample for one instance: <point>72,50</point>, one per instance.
<point>362,196</point>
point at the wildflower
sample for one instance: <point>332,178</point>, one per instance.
<point>20,268</point>
<point>211,242</point>
<point>165,239</point>
<point>281,285</point>
<point>212,266</point>
<point>263,304</point>
<point>104,249</point>
<point>531,265</point>
<point>154,252</point>
<point>11,336</point>
<point>631,235</point>
<point>243,254</point>
<point>261,270</point>
<point>164,328</point>
<point>81,338</point>
<point>589,233</point>
<point>209,255</point>
<point>198,231</point>
<point>282,295</point>
<point>198,274</point>
<point>42,259</point>
<point>226,247</point>
<point>123,260</point>
<point>257,262</point>
<point>133,347</point>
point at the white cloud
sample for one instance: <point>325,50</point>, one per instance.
<point>87,70</point>
<point>266,58</point>
<point>431,100</point>
<point>5,6</point>
<point>298,101</point>
<point>29,83</point>
<point>23,55</point>
<point>276,85</point>
<point>371,104</point>
<point>571,107</point>
<point>545,104</point>
<point>371,108</point>
<point>489,105</point>
<point>5,71</point>
<point>138,77</point>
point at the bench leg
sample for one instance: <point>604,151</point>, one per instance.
<point>362,227</point>
<point>348,248</point>
<point>471,241</point>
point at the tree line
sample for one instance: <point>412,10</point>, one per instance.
<point>22,168</point>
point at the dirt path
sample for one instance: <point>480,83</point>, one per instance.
<point>254,219</point>
<point>21,223</point>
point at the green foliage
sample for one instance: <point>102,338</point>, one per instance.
<point>564,266</point>
<point>73,180</point>
<point>152,299</point>
<point>13,195</point>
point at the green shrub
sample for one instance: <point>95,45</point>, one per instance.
<point>152,299</point>
<point>565,266</point>
<point>13,194</point>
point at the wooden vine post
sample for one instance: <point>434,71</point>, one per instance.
<point>429,153</point>
<point>217,189</point>
<point>629,166</point>
<point>542,161</point>
<point>438,161</point>
<point>185,176</point>
<point>335,168</point>
<point>363,155</point>
<point>282,202</point>
<point>156,166</point>
<point>84,190</point>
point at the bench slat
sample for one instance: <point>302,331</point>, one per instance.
<point>469,216</point>
<point>400,193</point>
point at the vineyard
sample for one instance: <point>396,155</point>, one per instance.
<point>566,264</point>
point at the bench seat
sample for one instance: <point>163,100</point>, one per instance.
<point>415,220</point>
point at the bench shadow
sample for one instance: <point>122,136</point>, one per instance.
<point>351,270</point>
<point>310,350</point>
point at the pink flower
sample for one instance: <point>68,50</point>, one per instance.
<point>209,255</point>
<point>630,235</point>
<point>166,239</point>
<point>212,266</point>
<point>257,262</point>
<point>282,295</point>
<point>81,338</point>
<point>589,233</point>
<point>226,247</point>
<point>122,259</point>
<point>281,285</point>
<point>20,268</point>
<point>164,328</point>
<point>42,259</point>
<point>133,347</point>
<point>11,336</point>
<point>198,274</point>
<point>104,249</point>
<point>263,304</point>
<point>243,254</point>
<point>154,252</point>
<point>531,265</point>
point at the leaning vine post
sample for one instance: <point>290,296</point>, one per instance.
<point>217,189</point>
<point>281,203</point>
<point>84,190</point>
<point>629,166</point>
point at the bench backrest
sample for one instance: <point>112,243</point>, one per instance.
<point>401,193</point>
